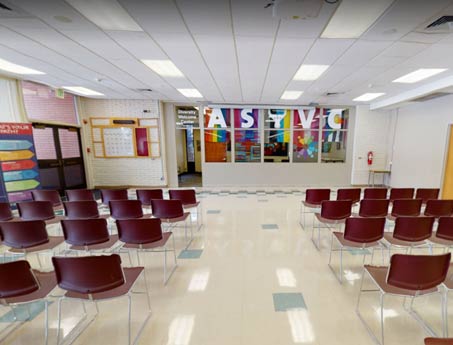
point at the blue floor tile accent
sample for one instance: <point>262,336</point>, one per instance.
<point>281,196</point>
<point>359,251</point>
<point>269,226</point>
<point>213,211</point>
<point>288,300</point>
<point>35,308</point>
<point>263,200</point>
<point>190,254</point>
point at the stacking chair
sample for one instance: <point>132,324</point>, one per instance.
<point>438,341</point>
<point>427,194</point>
<point>48,195</point>
<point>352,194</point>
<point>374,208</point>
<point>405,208</point>
<point>146,195</point>
<point>444,233</point>
<point>113,194</point>
<point>375,193</point>
<point>97,278</point>
<point>333,213</point>
<point>80,195</point>
<point>25,237</point>
<point>20,285</point>
<point>5,212</point>
<point>170,213</point>
<point>438,208</point>
<point>145,235</point>
<point>38,210</point>
<point>401,193</point>
<point>126,209</point>
<point>188,198</point>
<point>88,234</point>
<point>359,233</point>
<point>87,209</point>
<point>408,276</point>
<point>313,200</point>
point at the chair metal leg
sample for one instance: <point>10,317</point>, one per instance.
<point>446,313</point>
<point>46,321</point>
<point>129,321</point>
<point>340,276</point>
<point>382,318</point>
<point>59,319</point>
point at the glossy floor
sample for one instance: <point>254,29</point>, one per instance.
<point>256,278</point>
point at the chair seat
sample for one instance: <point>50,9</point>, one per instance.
<point>346,243</point>
<point>177,219</point>
<point>191,205</point>
<point>379,275</point>
<point>98,246</point>
<point>130,274</point>
<point>54,241</point>
<point>396,242</point>
<point>151,245</point>
<point>310,205</point>
<point>47,282</point>
<point>441,241</point>
<point>329,221</point>
<point>101,216</point>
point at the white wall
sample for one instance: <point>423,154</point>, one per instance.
<point>181,153</point>
<point>420,142</point>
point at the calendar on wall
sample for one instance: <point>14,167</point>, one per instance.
<point>125,137</point>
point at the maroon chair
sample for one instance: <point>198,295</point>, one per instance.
<point>444,233</point>
<point>352,194</point>
<point>374,208</point>
<point>438,208</point>
<point>333,213</point>
<point>113,194</point>
<point>375,193</point>
<point>20,285</point>
<point>313,200</point>
<point>188,199</point>
<point>401,193</point>
<point>80,195</point>
<point>96,278</point>
<point>88,234</point>
<point>38,210</point>
<point>438,341</point>
<point>170,213</point>
<point>427,194</point>
<point>30,236</point>
<point>407,276</point>
<point>405,208</point>
<point>359,233</point>
<point>145,235</point>
<point>126,209</point>
<point>87,209</point>
<point>146,195</point>
<point>48,195</point>
<point>5,212</point>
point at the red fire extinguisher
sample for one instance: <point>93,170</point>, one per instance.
<point>370,157</point>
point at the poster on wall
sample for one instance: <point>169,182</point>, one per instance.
<point>18,164</point>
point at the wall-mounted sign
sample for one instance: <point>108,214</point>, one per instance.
<point>187,117</point>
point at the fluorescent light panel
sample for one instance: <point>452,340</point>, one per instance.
<point>17,69</point>
<point>310,72</point>
<point>82,91</point>
<point>164,68</point>
<point>291,95</point>
<point>107,14</point>
<point>420,74</point>
<point>191,93</point>
<point>368,96</point>
<point>353,17</point>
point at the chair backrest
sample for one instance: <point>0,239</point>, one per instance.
<point>374,207</point>
<point>79,195</point>
<point>317,196</point>
<point>427,194</point>
<point>81,209</point>
<point>375,193</point>
<point>438,341</point>
<point>336,209</point>
<point>113,194</point>
<point>23,234</point>
<point>364,230</point>
<point>17,279</point>
<point>5,211</point>
<point>85,232</point>
<point>139,231</point>
<point>35,210</point>
<point>125,209</point>
<point>89,274</point>
<point>439,208</point>
<point>418,272</point>
<point>145,195</point>
<point>413,229</point>
<point>187,196</point>
<point>47,195</point>
<point>445,228</point>
<point>167,209</point>
<point>352,194</point>
<point>401,193</point>
<point>406,207</point>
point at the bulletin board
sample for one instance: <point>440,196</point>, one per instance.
<point>125,137</point>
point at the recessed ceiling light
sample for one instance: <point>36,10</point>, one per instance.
<point>83,91</point>
<point>191,93</point>
<point>17,69</point>
<point>352,18</point>
<point>165,68</point>
<point>419,74</point>
<point>310,72</point>
<point>291,95</point>
<point>368,96</point>
<point>107,14</point>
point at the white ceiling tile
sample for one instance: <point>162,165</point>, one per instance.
<point>361,52</point>
<point>404,49</point>
<point>326,51</point>
<point>250,18</point>
<point>139,44</point>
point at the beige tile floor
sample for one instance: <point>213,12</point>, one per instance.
<point>225,296</point>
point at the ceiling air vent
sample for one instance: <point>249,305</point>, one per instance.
<point>329,94</point>
<point>442,24</point>
<point>144,90</point>
<point>430,96</point>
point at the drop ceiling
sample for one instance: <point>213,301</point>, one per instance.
<point>232,51</point>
